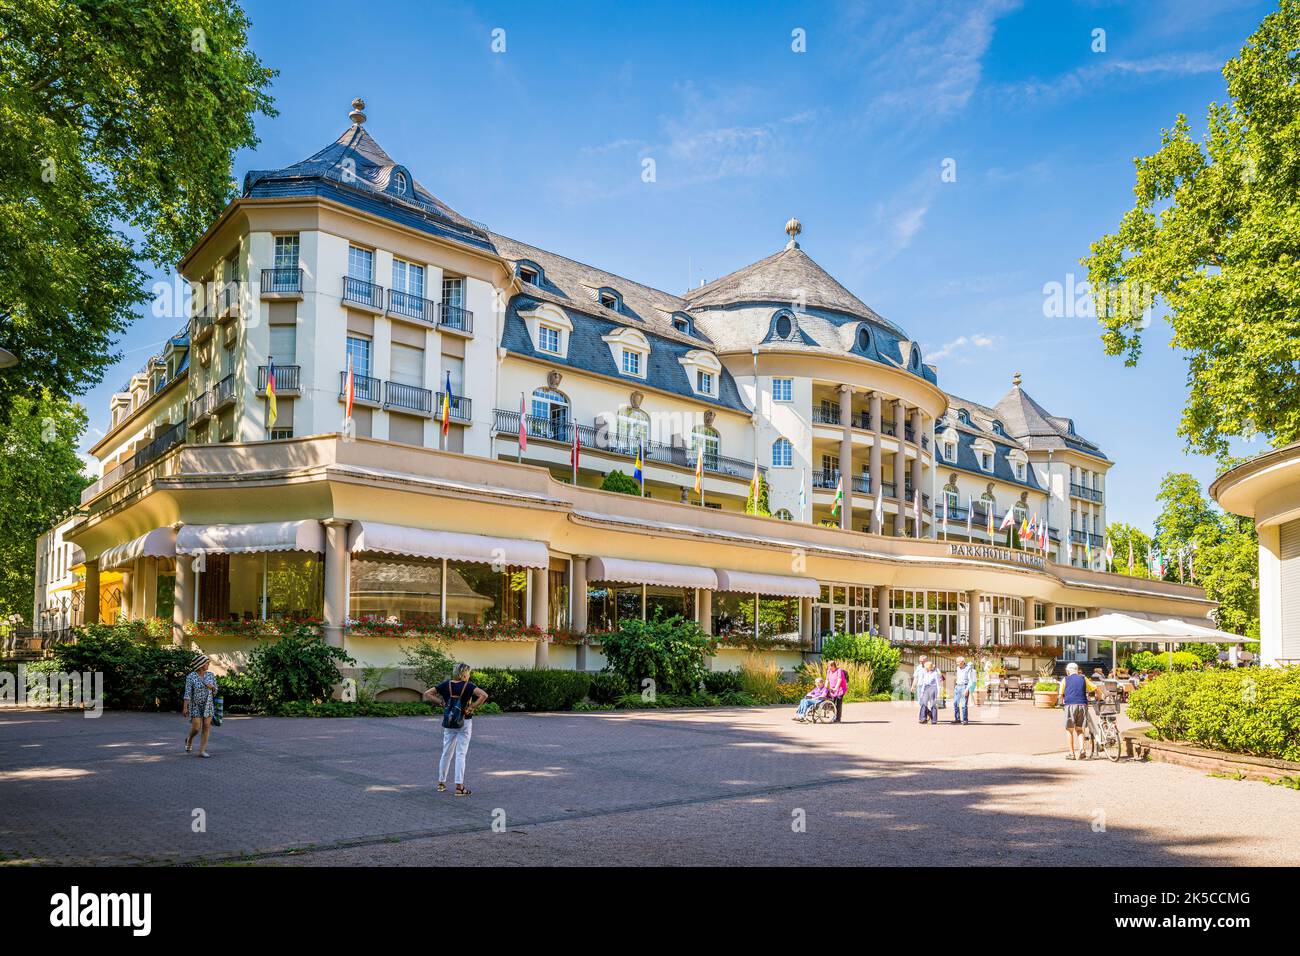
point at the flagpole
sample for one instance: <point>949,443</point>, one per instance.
<point>519,458</point>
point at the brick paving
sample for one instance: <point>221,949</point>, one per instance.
<point>699,787</point>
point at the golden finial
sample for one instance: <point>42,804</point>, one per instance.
<point>358,115</point>
<point>1015,380</point>
<point>792,229</point>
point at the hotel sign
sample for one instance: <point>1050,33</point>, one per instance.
<point>984,552</point>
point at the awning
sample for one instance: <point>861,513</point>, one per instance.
<point>778,585</point>
<point>453,545</point>
<point>158,543</point>
<point>250,538</point>
<point>651,572</point>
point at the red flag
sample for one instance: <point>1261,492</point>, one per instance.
<point>575,453</point>
<point>349,391</point>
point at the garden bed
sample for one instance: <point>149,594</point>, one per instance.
<point>1139,744</point>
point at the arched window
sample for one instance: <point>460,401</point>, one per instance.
<point>782,453</point>
<point>784,326</point>
<point>399,183</point>
<point>864,339</point>
<point>549,417</point>
<point>706,441</point>
<point>633,428</point>
<point>784,515</point>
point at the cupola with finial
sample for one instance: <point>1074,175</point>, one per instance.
<point>792,229</point>
<point>1015,380</point>
<point>358,115</point>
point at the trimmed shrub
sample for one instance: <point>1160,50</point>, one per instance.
<point>623,484</point>
<point>876,652</point>
<point>520,688</point>
<point>722,682</point>
<point>1254,711</point>
<point>1152,661</point>
<point>297,667</point>
<point>606,688</point>
<point>140,671</point>
<point>669,652</point>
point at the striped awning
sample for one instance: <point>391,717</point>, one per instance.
<point>775,585</point>
<point>158,543</point>
<point>250,538</point>
<point>374,536</point>
<point>651,572</point>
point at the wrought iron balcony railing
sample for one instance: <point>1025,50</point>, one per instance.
<point>282,281</point>
<point>410,306</point>
<point>363,292</point>
<point>410,398</point>
<point>455,318</point>
<point>288,378</point>
<point>364,387</point>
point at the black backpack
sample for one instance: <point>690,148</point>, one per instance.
<point>453,715</point>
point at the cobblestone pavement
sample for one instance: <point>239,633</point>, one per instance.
<point>723,786</point>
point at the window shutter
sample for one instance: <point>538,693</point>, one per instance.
<point>408,365</point>
<point>284,344</point>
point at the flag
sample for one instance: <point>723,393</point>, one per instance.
<point>880,509</point>
<point>523,426</point>
<point>988,513</point>
<point>1130,554</point>
<point>575,453</point>
<point>916,505</point>
<point>446,406</point>
<point>839,496</point>
<point>271,411</point>
<point>1042,537</point>
<point>349,390</point>
<point>1024,527</point>
<point>970,514</point>
<point>699,473</point>
<point>1110,554</point>
<point>945,512</point>
<point>1008,520</point>
<point>1087,552</point>
<point>640,477</point>
<point>803,496</point>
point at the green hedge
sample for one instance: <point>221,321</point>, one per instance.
<point>1153,661</point>
<point>518,688</point>
<point>1254,711</point>
<point>377,708</point>
<point>883,657</point>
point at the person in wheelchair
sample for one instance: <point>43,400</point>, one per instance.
<point>818,693</point>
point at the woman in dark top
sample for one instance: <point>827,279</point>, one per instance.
<point>455,741</point>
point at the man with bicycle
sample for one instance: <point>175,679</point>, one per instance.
<point>1074,690</point>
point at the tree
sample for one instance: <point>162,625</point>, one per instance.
<point>1122,536</point>
<point>121,119</point>
<point>40,480</point>
<point>1222,550</point>
<point>623,484</point>
<point>1214,236</point>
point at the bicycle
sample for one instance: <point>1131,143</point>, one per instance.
<point>1103,727</point>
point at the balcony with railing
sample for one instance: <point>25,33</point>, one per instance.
<point>826,414</point>
<point>1084,537</point>
<point>604,440</point>
<point>363,293</point>
<point>887,428</point>
<point>452,318</point>
<point>891,488</point>
<point>825,479</point>
<point>862,484</point>
<point>229,301</point>
<point>407,306</point>
<point>223,393</point>
<point>408,398</point>
<point>288,379</point>
<point>460,407</point>
<point>1085,492</point>
<point>162,443</point>
<point>201,407</point>
<point>365,389</point>
<point>282,283</point>
<point>201,328</point>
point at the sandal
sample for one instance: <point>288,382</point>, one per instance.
<point>442,788</point>
<point>463,792</point>
<point>1071,757</point>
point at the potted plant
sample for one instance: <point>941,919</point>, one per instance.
<point>1045,693</point>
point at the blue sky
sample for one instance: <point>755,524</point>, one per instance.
<point>546,141</point>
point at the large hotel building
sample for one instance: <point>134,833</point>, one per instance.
<point>227,523</point>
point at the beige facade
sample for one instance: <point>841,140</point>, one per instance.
<point>391,521</point>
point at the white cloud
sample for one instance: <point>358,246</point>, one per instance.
<point>1106,69</point>
<point>959,349</point>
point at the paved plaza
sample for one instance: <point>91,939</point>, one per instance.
<point>725,786</point>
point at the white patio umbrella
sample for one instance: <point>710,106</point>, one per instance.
<point>1120,627</point>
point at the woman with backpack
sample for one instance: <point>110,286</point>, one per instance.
<point>459,697</point>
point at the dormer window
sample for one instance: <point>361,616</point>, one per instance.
<point>629,349</point>
<point>783,327</point>
<point>703,371</point>
<point>963,416</point>
<point>950,451</point>
<point>631,362</point>
<point>529,272</point>
<point>682,324</point>
<point>863,339</point>
<point>705,383</point>
<point>986,460</point>
<point>1020,471</point>
<point>997,428</point>
<point>610,300</point>
<point>548,339</point>
<point>984,453</point>
<point>549,327</point>
<point>399,184</point>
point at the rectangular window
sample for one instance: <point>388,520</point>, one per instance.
<point>407,365</point>
<point>782,389</point>
<point>361,264</point>
<point>359,350</point>
<point>408,590</point>
<point>548,339</point>
<point>277,433</point>
<point>408,278</point>
<point>451,365</point>
<point>453,291</point>
<point>987,461</point>
<point>286,252</point>
<point>631,362</point>
<point>704,383</point>
<point>284,344</point>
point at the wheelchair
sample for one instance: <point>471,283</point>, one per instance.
<point>822,712</point>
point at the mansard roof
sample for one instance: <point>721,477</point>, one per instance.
<point>1036,428</point>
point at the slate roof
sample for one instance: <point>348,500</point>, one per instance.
<point>1036,428</point>
<point>355,169</point>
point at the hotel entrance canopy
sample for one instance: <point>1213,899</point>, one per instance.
<point>250,538</point>
<point>452,545</point>
<point>158,543</point>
